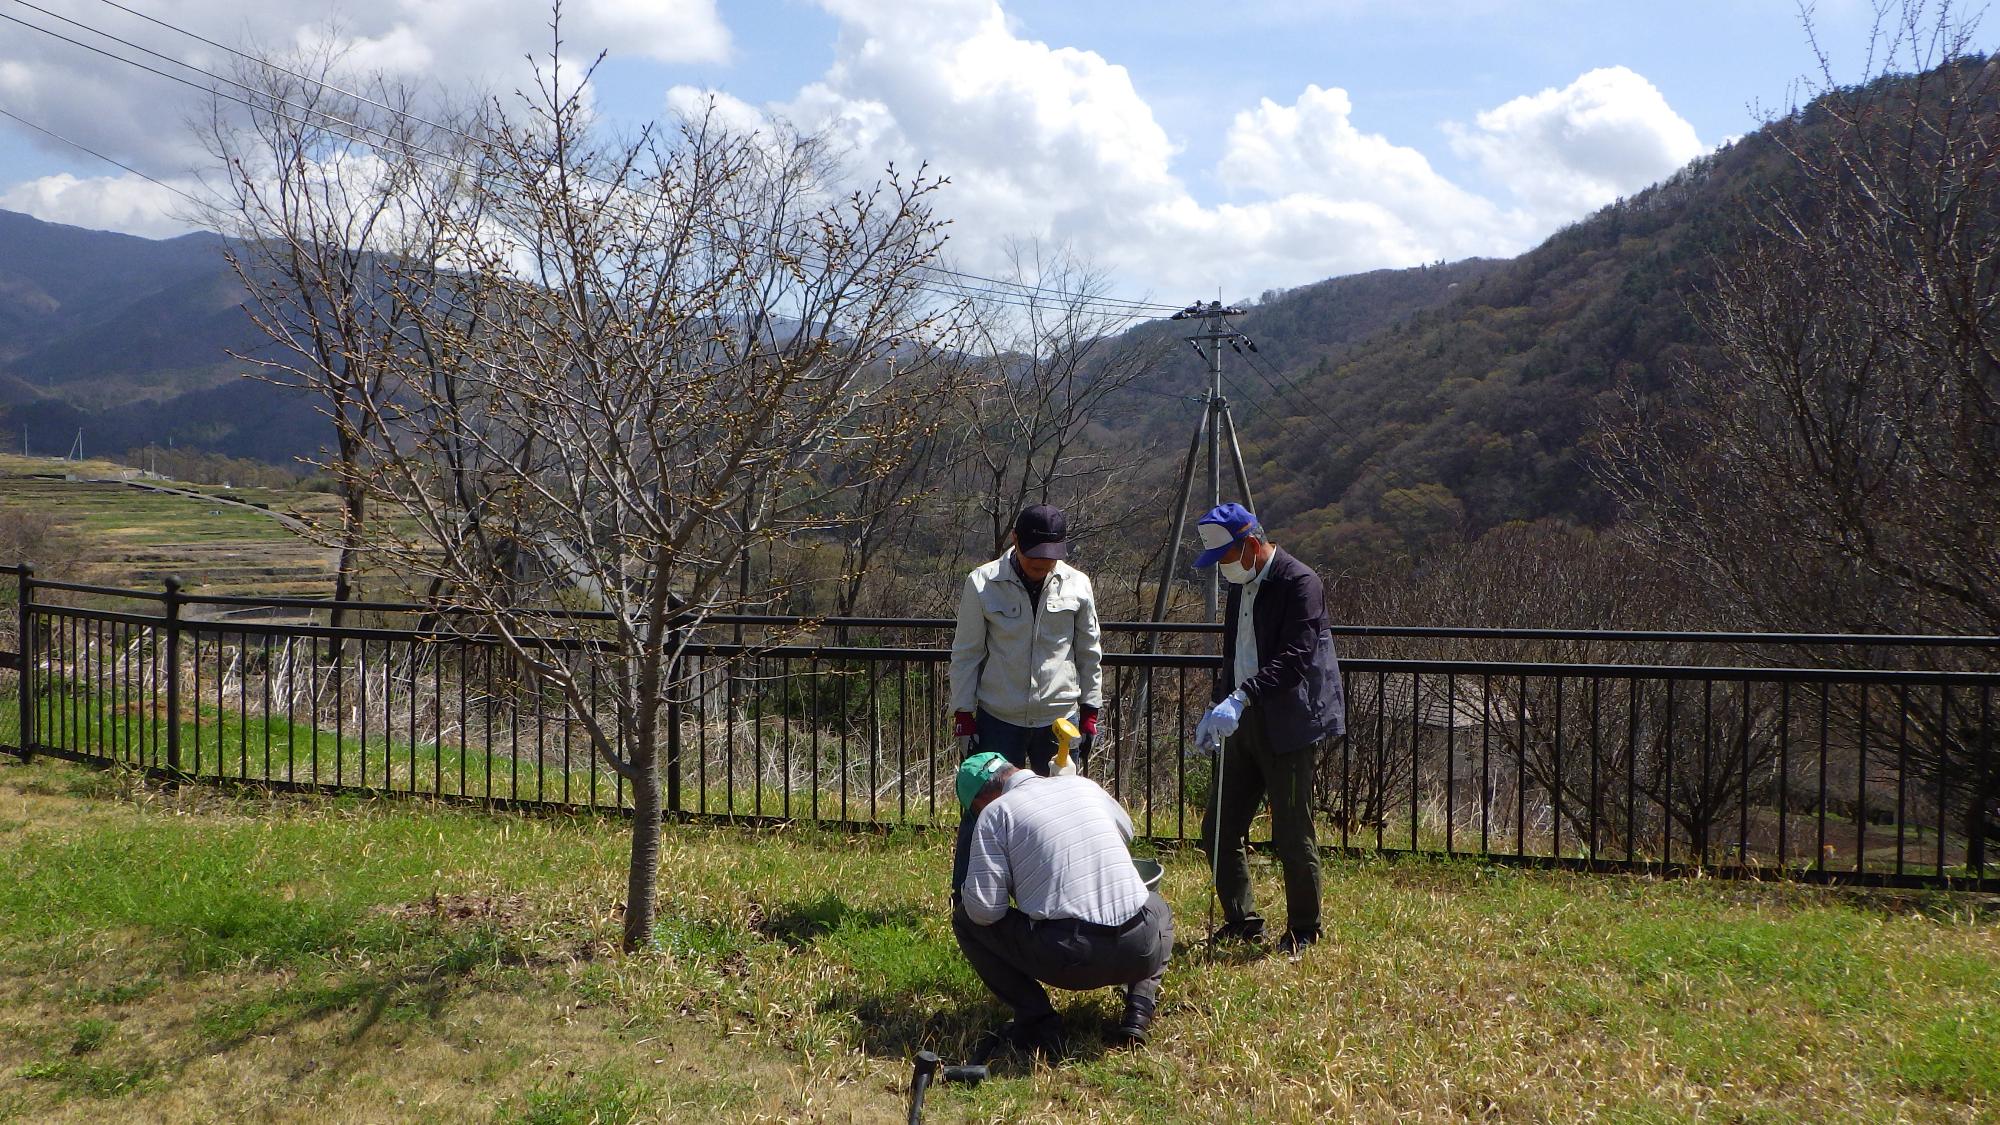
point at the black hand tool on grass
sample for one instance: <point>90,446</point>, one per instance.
<point>928,1069</point>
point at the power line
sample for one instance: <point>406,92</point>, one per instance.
<point>1140,309</point>
<point>4,112</point>
<point>369,136</point>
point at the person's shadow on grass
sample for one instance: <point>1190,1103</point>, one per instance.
<point>915,996</point>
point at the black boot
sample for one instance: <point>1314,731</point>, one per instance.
<point>1249,930</point>
<point>1135,1025</point>
<point>1041,1036</point>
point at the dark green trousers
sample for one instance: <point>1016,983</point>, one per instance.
<point>1251,774</point>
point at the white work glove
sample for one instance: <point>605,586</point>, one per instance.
<point>1219,723</point>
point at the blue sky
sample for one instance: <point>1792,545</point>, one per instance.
<point>1180,146</point>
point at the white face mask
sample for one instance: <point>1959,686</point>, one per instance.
<point>1236,572</point>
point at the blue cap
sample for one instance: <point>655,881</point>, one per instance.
<point>1222,528</point>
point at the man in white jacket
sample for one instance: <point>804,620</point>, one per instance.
<point>1026,651</point>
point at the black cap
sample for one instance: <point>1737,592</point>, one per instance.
<point>1043,531</point>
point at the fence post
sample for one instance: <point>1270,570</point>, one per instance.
<point>674,737</point>
<point>173,622</point>
<point>25,628</point>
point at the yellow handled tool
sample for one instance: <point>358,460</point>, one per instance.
<point>1066,736</point>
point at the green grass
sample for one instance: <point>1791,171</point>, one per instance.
<point>190,954</point>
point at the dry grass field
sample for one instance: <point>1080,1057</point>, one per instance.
<point>135,537</point>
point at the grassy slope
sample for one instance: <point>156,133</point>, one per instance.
<point>186,956</point>
<point>134,538</point>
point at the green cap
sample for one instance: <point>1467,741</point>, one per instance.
<point>974,773</point>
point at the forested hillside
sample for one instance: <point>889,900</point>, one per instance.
<point>129,339</point>
<point>1480,410</point>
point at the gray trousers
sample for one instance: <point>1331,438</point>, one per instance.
<point>1251,775</point>
<point>1017,955</point>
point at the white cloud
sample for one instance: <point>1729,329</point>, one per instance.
<point>140,117</point>
<point>1563,153</point>
<point>1056,143</point>
<point>1311,153</point>
<point>1040,140</point>
<point>733,113</point>
<point>122,203</point>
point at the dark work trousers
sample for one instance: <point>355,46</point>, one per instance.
<point>1017,955</point>
<point>1026,747</point>
<point>1251,773</point>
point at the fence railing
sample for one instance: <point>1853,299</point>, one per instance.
<point>1808,756</point>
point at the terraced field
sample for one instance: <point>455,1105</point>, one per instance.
<point>211,536</point>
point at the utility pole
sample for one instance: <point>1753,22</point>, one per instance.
<point>1215,332</point>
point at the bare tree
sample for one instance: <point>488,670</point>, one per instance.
<point>1033,432</point>
<point>661,352</point>
<point>325,178</point>
<point>1834,467</point>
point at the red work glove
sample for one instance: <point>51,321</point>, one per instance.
<point>1086,722</point>
<point>962,725</point>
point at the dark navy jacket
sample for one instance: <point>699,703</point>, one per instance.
<point>1297,685</point>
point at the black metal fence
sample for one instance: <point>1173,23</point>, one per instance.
<point>1864,759</point>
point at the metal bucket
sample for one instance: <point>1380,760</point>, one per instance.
<point>1150,872</point>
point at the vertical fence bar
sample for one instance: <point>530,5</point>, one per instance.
<point>756,724</point>
<point>1667,787</point>
<point>541,734</point>
<point>1346,768</point>
<point>1784,767</point>
<point>1596,762</point>
<point>1902,769</point>
<point>242,708</point>
<point>416,647</point>
<point>361,708</point>
<point>874,746</point>
<point>1181,739</point>
<point>701,673</point>
<point>339,650</point>
<point>1146,693</point>
<point>1450,757</point>
<point>513,686</point>
<point>1485,763</point>
<point>785,709</point>
<point>1743,783</point>
<point>1861,782</point>
<point>1819,810</point>
<point>25,630</point>
<point>1983,783</point>
<point>1379,788</point>
<point>1521,773</point>
<point>1943,754</point>
<point>173,623</point>
<point>437,717</point>
<point>675,684</point>
<point>1556,777</point>
<point>1416,761</point>
<point>902,741</point>
<point>1705,779</point>
<point>813,681</point>
<point>312,704</point>
<point>265,697</point>
<point>590,701</point>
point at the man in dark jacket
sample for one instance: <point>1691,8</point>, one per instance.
<point>1279,698</point>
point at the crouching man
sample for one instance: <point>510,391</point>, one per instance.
<point>1080,917</point>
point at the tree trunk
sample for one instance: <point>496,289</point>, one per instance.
<point>642,881</point>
